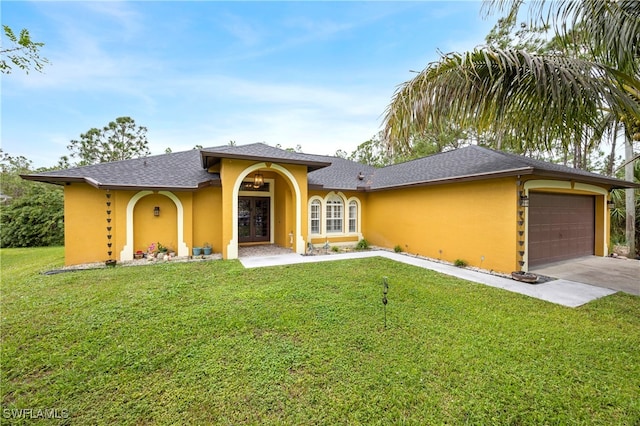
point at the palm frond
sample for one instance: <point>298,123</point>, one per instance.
<point>613,26</point>
<point>539,99</point>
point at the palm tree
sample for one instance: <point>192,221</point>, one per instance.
<point>539,99</point>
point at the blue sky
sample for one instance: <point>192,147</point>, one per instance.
<point>314,74</point>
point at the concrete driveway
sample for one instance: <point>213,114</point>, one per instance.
<point>615,273</point>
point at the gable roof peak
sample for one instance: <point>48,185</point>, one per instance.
<point>260,151</point>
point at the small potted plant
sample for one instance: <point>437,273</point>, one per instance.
<point>138,254</point>
<point>197,251</point>
<point>162,249</point>
<point>206,248</point>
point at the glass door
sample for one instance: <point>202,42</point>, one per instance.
<point>254,219</point>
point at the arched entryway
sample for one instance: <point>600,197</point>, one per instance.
<point>296,238</point>
<point>144,227</point>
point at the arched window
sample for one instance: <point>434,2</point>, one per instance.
<point>335,214</point>
<point>316,216</point>
<point>353,216</point>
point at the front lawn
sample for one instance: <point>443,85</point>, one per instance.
<point>211,342</point>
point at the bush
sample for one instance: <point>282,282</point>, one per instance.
<point>335,249</point>
<point>362,245</point>
<point>460,263</point>
<point>33,220</point>
<point>397,249</point>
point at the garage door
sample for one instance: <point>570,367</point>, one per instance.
<point>560,227</point>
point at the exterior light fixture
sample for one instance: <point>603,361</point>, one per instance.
<point>361,176</point>
<point>524,200</point>
<point>611,205</point>
<point>258,180</point>
<point>156,211</point>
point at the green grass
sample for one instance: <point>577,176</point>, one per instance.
<point>212,342</point>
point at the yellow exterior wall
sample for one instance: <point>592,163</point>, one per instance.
<point>85,224</point>
<point>148,229</point>
<point>474,222</point>
<point>207,219</point>
<point>284,212</point>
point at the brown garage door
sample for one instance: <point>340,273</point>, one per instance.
<point>560,227</point>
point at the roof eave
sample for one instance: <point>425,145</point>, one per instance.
<point>602,180</point>
<point>55,180</point>
<point>456,179</point>
<point>311,165</point>
<point>62,180</point>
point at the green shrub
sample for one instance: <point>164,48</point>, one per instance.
<point>335,249</point>
<point>33,220</point>
<point>460,263</point>
<point>397,249</point>
<point>362,245</point>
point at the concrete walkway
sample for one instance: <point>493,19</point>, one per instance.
<point>561,292</point>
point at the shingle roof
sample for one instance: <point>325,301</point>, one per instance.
<point>475,162</point>
<point>261,152</point>
<point>187,170</point>
<point>179,171</point>
<point>342,174</point>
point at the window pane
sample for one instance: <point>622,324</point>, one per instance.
<point>353,216</point>
<point>315,217</point>
<point>334,216</point>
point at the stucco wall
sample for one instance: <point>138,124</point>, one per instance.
<point>474,222</point>
<point>207,218</point>
<point>85,224</point>
<point>150,229</point>
<point>284,212</point>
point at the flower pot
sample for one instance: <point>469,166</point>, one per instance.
<point>207,251</point>
<point>197,251</point>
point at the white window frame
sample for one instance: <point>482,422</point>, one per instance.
<point>347,212</point>
<point>334,214</point>
<point>352,209</point>
<point>315,202</point>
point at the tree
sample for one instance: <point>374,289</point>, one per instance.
<point>543,100</point>
<point>298,148</point>
<point>36,219</point>
<point>119,140</point>
<point>372,152</point>
<point>33,216</point>
<point>22,52</point>
<point>10,170</point>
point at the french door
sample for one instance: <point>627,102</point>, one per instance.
<point>254,219</point>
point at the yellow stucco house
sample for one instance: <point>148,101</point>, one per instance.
<point>492,209</point>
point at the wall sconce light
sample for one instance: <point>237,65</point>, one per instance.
<point>524,201</point>
<point>156,211</point>
<point>611,205</point>
<point>360,176</point>
<point>258,180</point>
